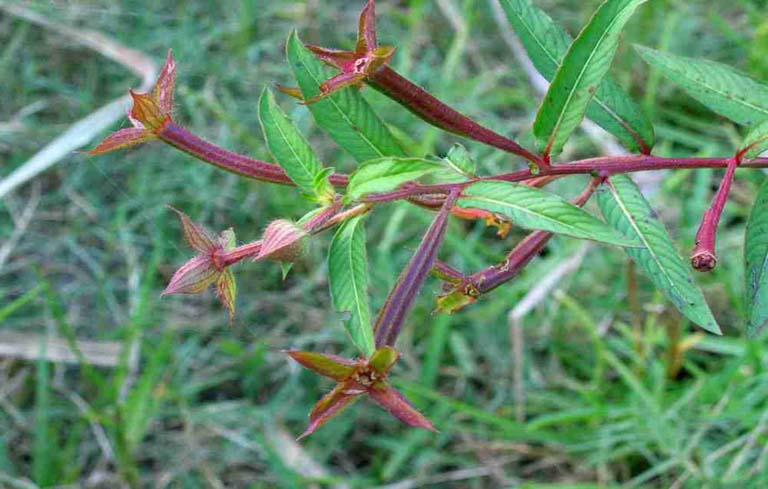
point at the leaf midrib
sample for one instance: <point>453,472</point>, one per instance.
<point>575,230</point>
<point>576,85</point>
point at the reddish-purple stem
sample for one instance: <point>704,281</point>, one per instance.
<point>603,167</point>
<point>392,315</point>
<point>432,110</point>
<point>198,147</point>
<point>704,256</point>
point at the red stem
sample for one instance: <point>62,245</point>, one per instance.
<point>704,256</point>
<point>198,147</point>
<point>435,112</point>
<point>392,315</point>
<point>603,167</point>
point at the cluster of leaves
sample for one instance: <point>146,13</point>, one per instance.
<point>580,87</point>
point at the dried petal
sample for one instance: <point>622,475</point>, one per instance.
<point>166,82</point>
<point>226,289</point>
<point>383,359</point>
<point>193,277</point>
<point>393,401</point>
<point>331,366</point>
<point>123,138</point>
<point>329,406</point>
<point>197,236</point>
<point>282,241</point>
<point>366,34</point>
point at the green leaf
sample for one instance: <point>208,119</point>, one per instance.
<point>345,115</point>
<point>611,108</point>
<point>348,277</point>
<point>385,174</point>
<point>532,208</point>
<point>583,68</point>
<point>624,206</point>
<point>292,151</point>
<point>756,141</point>
<point>721,88</point>
<point>460,161</point>
<point>756,263</point>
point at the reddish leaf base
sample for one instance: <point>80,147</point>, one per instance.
<point>356,378</point>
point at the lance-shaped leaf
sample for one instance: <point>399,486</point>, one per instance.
<point>721,88</point>
<point>292,151</point>
<point>756,264</point>
<point>611,107</point>
<point>533,208</point>
<point>392,315</point>
<point>755,142</point>
<point>226,290</point>
<point>394,402</point>
<point>348,280</point>
<point>583,68</point>
<point>624,206</point>
<point>331,366</point>
<point>385,174</point>
<point>345,115</point>
<point>329,407</point>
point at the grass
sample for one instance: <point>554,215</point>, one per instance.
<point>615,394</point>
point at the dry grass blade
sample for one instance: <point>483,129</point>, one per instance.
<point>85,130</point>
<point>30,347</point>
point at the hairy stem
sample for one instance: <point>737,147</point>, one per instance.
<point>704,256</point>
<point>429,108</point>
<point>392,315</point>
<point>201,149</point>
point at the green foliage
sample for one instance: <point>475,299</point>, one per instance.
<point>532,208</point>
<point>348,280</point>
<point>599,399</point>
<point>756,263</point>
<point>583,67</point>
<point>624,206</point>
<point>721,88</point>
<point>292,150</point>
<point>547,43</point>
<point>756,141</point>
<point>385,174</point>
<point>460,161</point>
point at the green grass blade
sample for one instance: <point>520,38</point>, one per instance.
<point>756,263</point>
<point>43,461</point>
<point>345,115</point>
<point>532,208</point>
<point>348,279</point>
<point>291,150</point>
<point>611,107</point>
<point>721,88</point>
<point>385,174</point>
<point>624,206</point>
<point>583,68</point>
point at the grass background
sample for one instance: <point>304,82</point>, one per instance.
<point>619,389</point>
